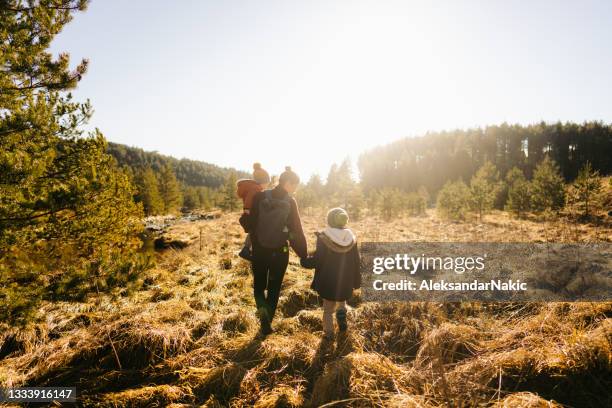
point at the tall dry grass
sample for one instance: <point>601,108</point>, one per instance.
<point>189,338</point>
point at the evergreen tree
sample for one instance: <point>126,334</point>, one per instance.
<point>331,183</point>
<point>339,183</point>
<point>170,190</point>
<point>312,193</point>
<point>586,189</point>
<point>305,196</point>
<point>390,203</point>
<point>355,203</point>
<point>424,194</point>
<point>548,187</point>
<point>148,191</point>
<point>373,201</point>
<point>316,187</point>
<point>484,188</point>
<point>229,201</point>
<point>206,197</point>
<point>68,223</point>
<point>454,200</point>
<point>519,192</point>
<point>191,198</point>
<point>415,203</point>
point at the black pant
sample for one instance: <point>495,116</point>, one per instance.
<point>269,266</point>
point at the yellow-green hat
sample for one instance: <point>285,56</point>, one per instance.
<point>337,218</point>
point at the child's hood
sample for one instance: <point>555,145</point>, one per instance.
<point>338,239</point>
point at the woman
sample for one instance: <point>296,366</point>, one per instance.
<point>274,223</point>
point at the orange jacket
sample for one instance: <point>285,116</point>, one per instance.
<point>246,190</point>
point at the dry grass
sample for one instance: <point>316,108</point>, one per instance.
<point>190,337</point>
<point>364,379</point>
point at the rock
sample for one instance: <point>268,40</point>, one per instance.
<point>165,242</point>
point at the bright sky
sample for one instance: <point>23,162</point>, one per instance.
<point>308,83</point>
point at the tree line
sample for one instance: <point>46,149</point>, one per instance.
<point>161,193</point>
<point>188,172</point>
<point>166,185</point>
<point>545,192</point>
<point>431,160</point>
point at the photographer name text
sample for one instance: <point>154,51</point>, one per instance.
<point>442,285</point>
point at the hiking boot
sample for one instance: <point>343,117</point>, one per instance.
<point>245,253</point>
<point>341,319</point>
<point>266,329</point>
<point>264,320</point>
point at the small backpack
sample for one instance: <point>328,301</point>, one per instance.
<point>271,230</point>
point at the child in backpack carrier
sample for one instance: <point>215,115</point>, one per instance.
<point>336,265</point>
<point>246,190</point>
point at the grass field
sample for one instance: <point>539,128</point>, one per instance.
<point>189,338</point>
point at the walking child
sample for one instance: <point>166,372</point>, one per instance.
<point>336,265</point>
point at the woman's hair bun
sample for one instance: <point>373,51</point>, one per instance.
<point>256,166</point>
<point>288,175</point>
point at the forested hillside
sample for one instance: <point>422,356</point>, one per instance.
<point>189,172</point>
<point>433,159</point>
<point>165,184</point>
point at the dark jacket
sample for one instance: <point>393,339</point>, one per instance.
<point>294,224</point>
<point>336,269</point>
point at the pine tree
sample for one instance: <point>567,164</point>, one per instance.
<point>229,201</point>
<point>148,191</point>
<point>355,203</point>
<point>390,203</point>
<point>519,192</point>
<point>331,183</point>
<point>339,183</point>
<point>68,223</point>
<point>454,200</point>
<point>415,203</point>
<point>548,187</point>
<point>373,201</point>
<point>586,189</point>
<point>191,198</point>
<point>306,198</point>
<point>206,197</point>
<point>484,188</point>
<point>316,185</point>
<point>311,194</point>
<point>170,190</point>
<point>317,190</point>
<point>424,194</point>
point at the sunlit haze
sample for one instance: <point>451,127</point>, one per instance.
<point>308,83</point>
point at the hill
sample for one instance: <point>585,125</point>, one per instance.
<point>189,172</point>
